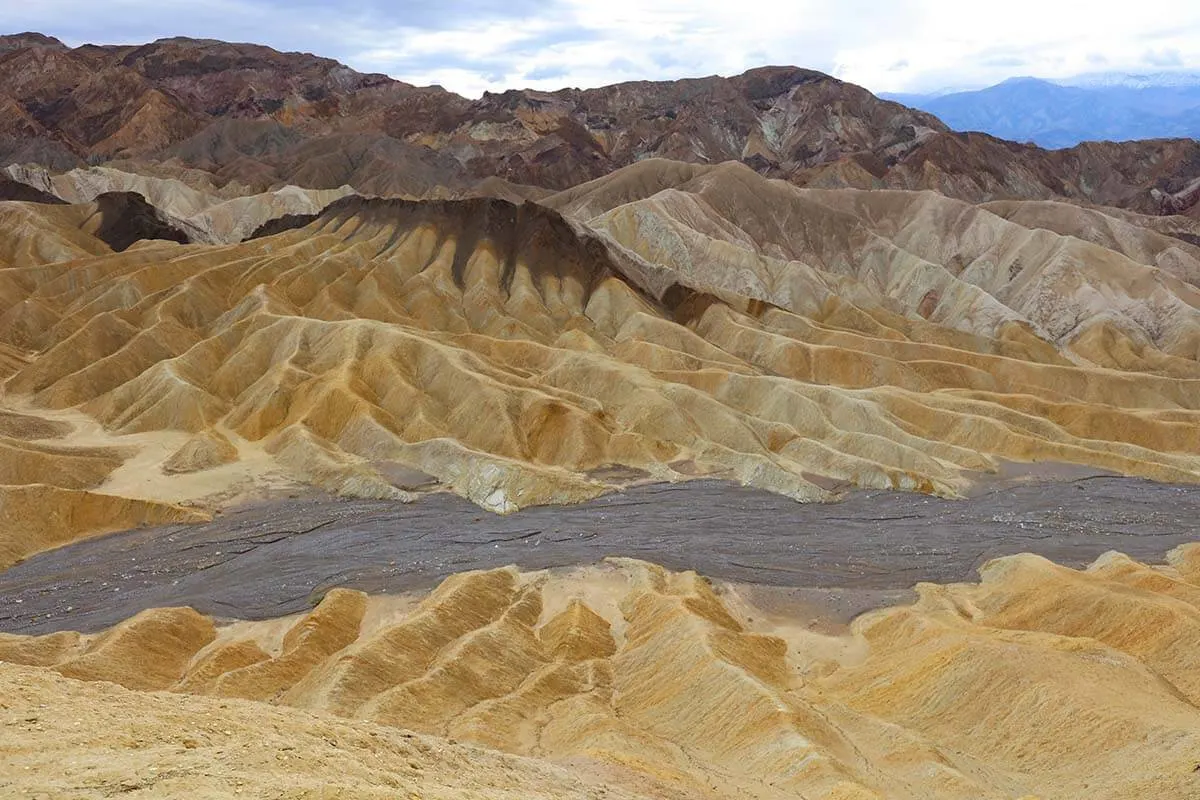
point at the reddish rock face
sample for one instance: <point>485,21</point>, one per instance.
<point>16,41</point>
<point>176,97</point>
<point>977,167</point>
<point>261,117</point>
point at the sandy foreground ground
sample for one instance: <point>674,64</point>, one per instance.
<point>63,738</point>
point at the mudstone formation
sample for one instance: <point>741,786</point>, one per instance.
<point>229,272</point>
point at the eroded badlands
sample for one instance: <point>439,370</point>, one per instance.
<point>678,321</point>
<point>1039,681</point>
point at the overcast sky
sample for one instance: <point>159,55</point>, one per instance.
<point>472,45</point>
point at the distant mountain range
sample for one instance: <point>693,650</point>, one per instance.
<point>1057,114</point>
<point>211,114</point>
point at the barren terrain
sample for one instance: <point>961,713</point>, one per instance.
<point>725,437</point>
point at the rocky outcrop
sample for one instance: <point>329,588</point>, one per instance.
<point>254,116</point>
<point>125,217</point>
<point>23,192</point>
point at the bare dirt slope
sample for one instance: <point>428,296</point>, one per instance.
<point>1039,681</point>
<point>64,738</point>
<point>248,115</point>
<point>678,321</point>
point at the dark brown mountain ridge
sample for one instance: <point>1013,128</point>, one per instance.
<point>264,118</point>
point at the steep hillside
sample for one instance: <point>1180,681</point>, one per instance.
<point>252,113</point>
<point>1040,681</point>
<point>260,119</point>
<point>675,319</point>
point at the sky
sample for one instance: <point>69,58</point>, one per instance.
<point>472,46</point>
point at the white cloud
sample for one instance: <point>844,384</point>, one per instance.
<point>952,43</point>
<point>476,45</point>
<point>902,45</point>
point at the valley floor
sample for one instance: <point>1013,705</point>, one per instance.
<point>270,558</point>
